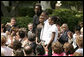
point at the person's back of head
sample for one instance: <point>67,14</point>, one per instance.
<point>21,33</point>
<point>37,9</point>
<point>31,37</point>
<point>18,52</point>
<point>40,50</point>
<point>28,50</point>
<point>57,47</point>
<point>68,48</point>
<point>17,45</point>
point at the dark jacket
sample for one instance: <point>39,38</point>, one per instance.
<point>64,37</point>
<point>35,23</point>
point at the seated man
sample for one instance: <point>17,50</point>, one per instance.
<point>10,25</point>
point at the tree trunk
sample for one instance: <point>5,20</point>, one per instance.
<point>14,5</point>
<point>13,11</point>
<point>4,10</point>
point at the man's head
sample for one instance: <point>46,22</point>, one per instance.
<point>37,9</point>
<point>41,19</point>
<point>13,21</point>
<point>65,26</point>
<point>45,14</point>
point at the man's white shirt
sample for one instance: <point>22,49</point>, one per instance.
<point>46,32</point>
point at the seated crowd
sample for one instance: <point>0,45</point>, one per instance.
<point>49,39</point>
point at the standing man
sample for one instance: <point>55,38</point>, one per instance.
<point>38,10</point>
<point>50,34</point>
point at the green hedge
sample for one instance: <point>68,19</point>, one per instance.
<point>72,18</point>
<point>21,21</point>
<point>25,11</point>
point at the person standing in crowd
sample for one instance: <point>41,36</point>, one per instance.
<point>52,34</point>
<point>39,27</point>
<point>64,37</point>
<point>45,15</point>
<point>38,11</point>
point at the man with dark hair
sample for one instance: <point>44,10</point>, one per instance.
<point>38,10</point>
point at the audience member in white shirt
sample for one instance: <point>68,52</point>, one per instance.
<point>4,49</point>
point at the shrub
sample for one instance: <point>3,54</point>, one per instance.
<point>68,16</point>
<point>25,11</point>
<point>21,21</point>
